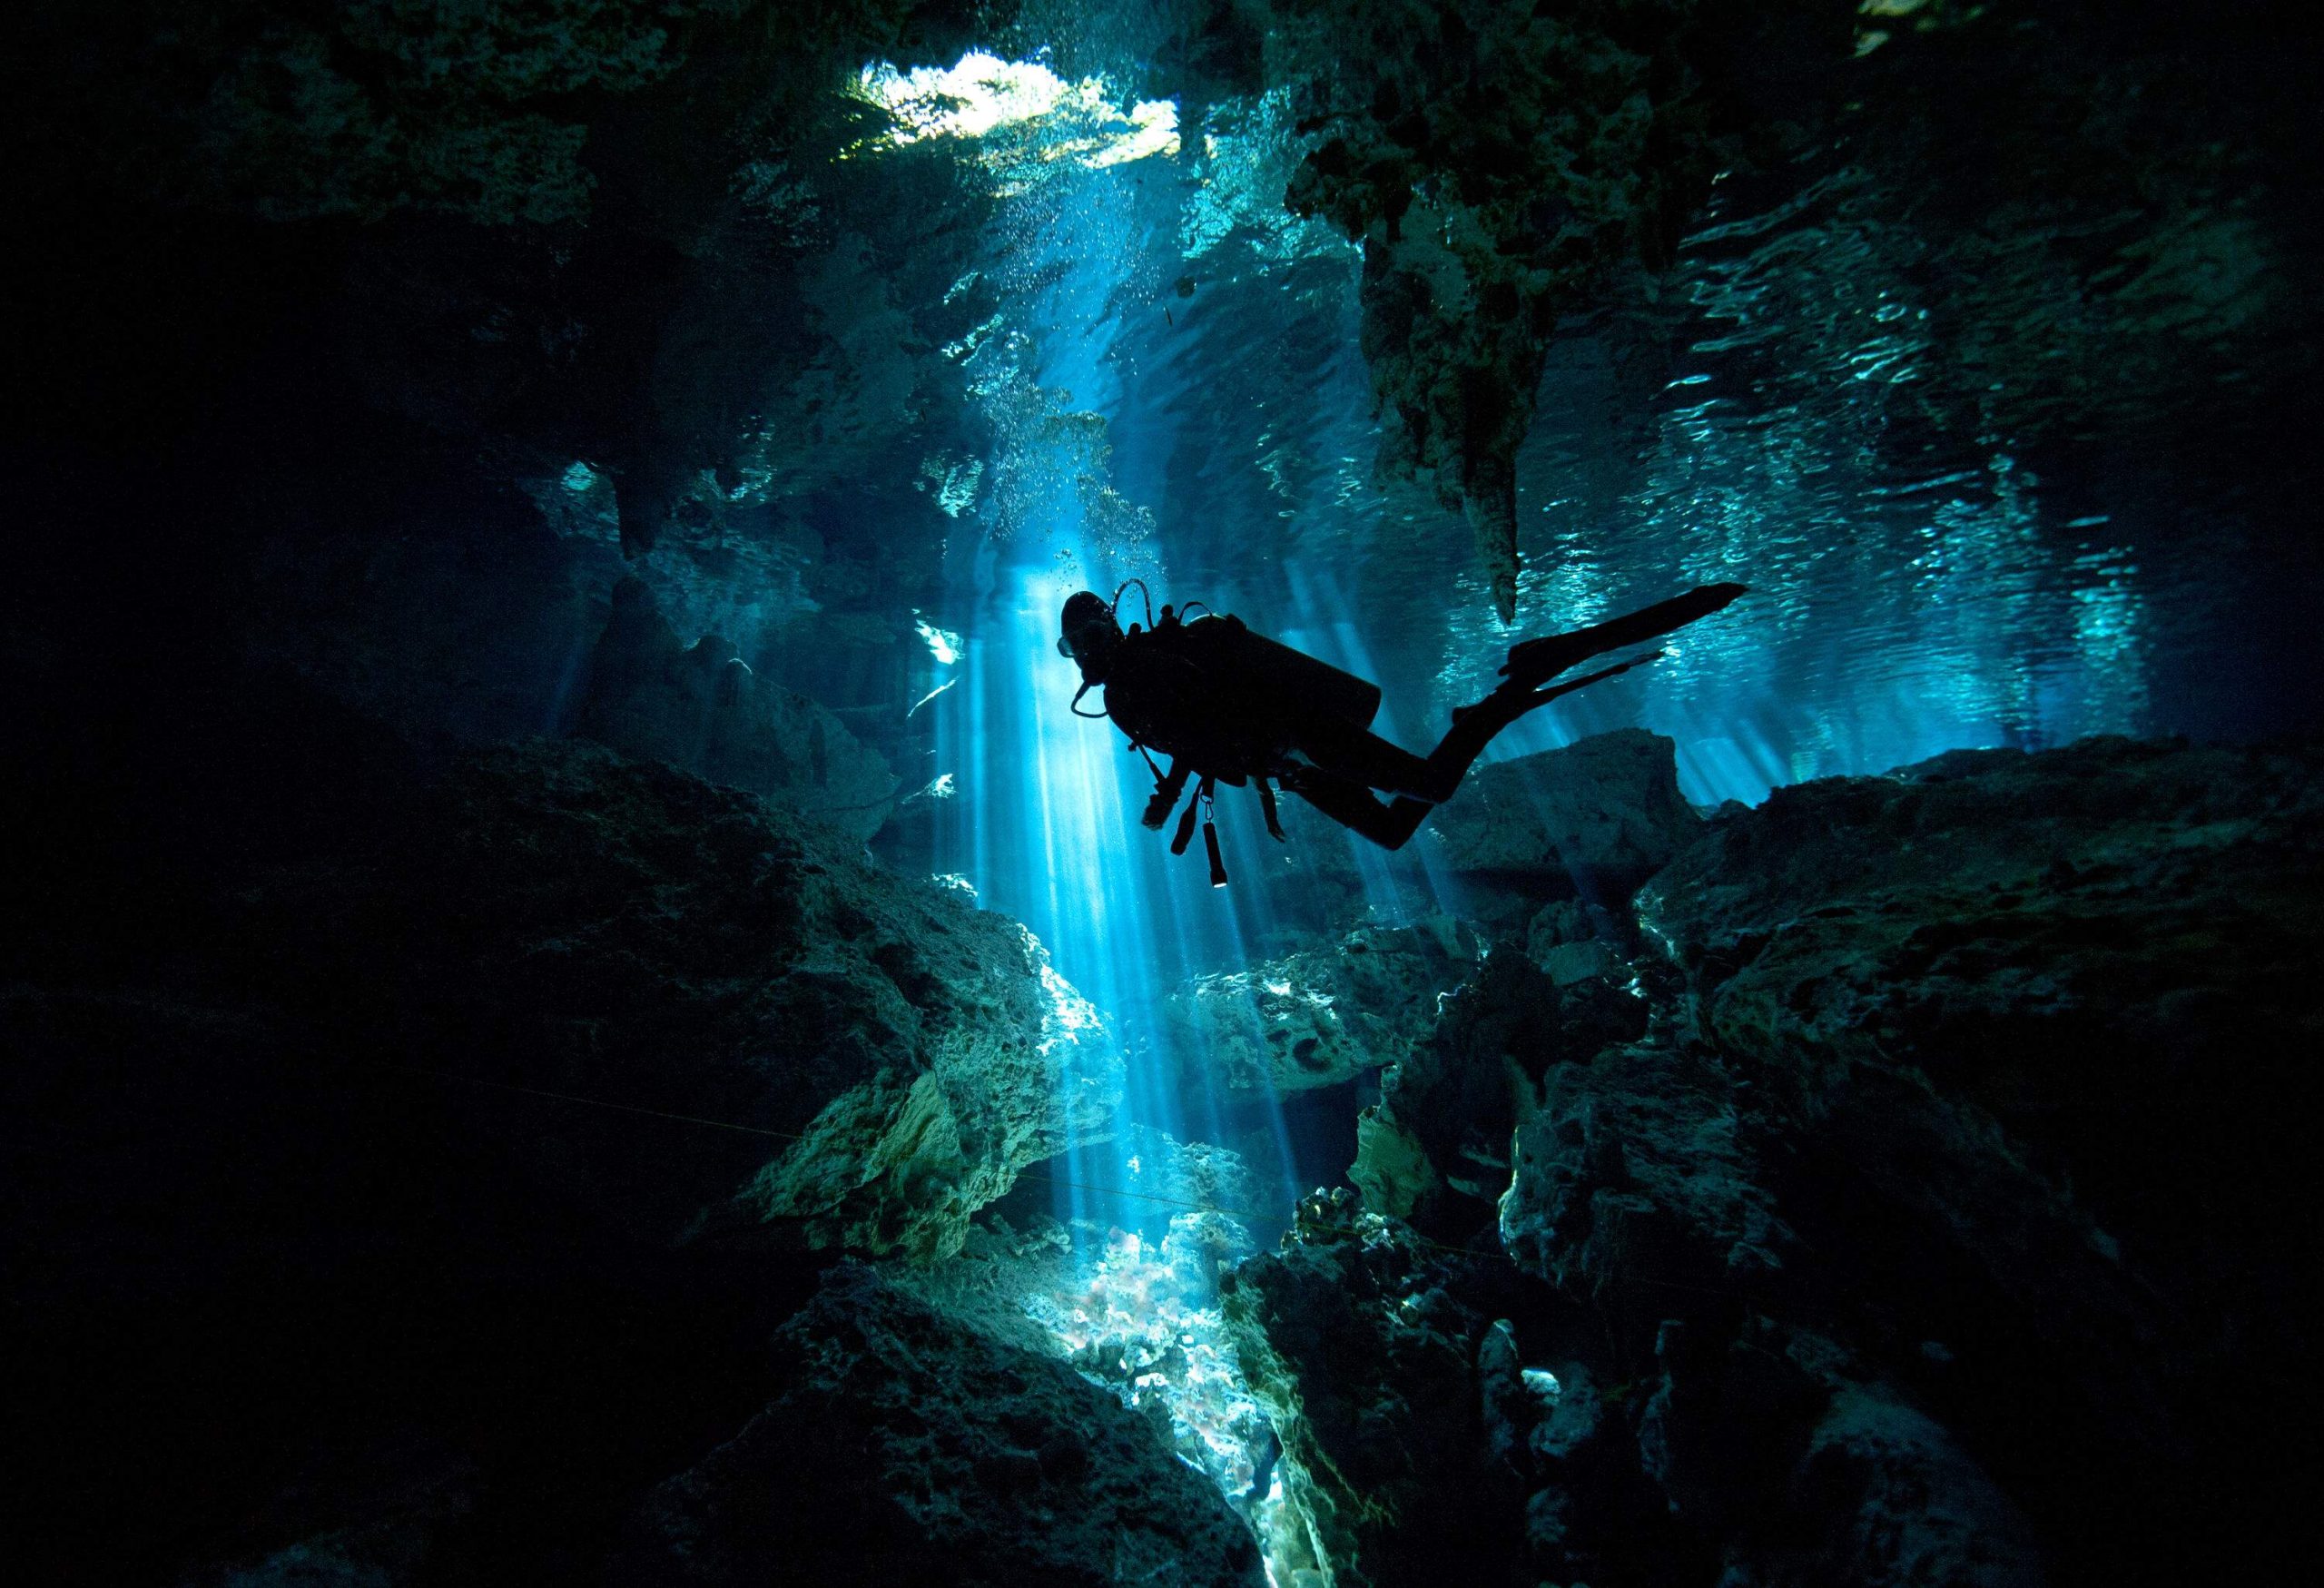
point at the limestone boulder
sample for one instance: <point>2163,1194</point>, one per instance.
<point>1320,1017</point>
<point>1362,1348</point>
<point>876,1058</point>
<point>1804,1467</point>
<point>1920,1218</point>
<point>2005,1039</point>
<point>1596,817</point>
<point>1436,1148</point>
<point>2049,1003</point>
<point>1641,1176</point>
<point>1422,1435</point>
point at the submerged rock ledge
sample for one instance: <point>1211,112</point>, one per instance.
<point>565,919</point>
<point>1928,1223</point>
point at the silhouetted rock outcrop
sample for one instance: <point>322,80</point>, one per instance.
<point>908,1448</point>
<point>1596,817</point>
<point>1356,1343</point>
<point>494,1110</point>
<point>1435,1149</point>
<point>555,917</point>
<point>2033,1012</point>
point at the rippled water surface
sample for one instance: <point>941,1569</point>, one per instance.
<point>1991,482</point>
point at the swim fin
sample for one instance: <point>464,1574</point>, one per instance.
<point>1535,662</point>
<point>1515,703</point>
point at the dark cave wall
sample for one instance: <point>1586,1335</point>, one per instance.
<point>360,1188</point>
<point>1908,1196</point>
<point>1916,1204</point>
<point>303,383</point>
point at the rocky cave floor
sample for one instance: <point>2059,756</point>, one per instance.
<point>1898,1182</point>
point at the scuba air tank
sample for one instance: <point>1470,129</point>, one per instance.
<point>1302,685</point>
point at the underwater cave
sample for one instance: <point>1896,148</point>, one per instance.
<point>623,613</point>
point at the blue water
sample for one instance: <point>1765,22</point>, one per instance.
<point>1175,393</point>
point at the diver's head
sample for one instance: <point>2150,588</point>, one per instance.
<point>1091,635</point>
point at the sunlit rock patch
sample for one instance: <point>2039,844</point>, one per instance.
<point>1321,1017</point>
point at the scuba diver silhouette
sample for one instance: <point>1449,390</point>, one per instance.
<point>1228,706</point>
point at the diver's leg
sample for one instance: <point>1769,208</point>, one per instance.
<point>1361,755</point>
<point>1353,805</point>
<point>1476,728</point>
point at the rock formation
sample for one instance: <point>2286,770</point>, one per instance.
<point>1911,1211</point>
<point>1492,160</point>
<point>1363,1358</point>
<point>908,1448</point>
<point>1446,1111</point>
<point>1596,817</point>
<point>701,707</point>
<point>1500,165</point>
<point>1319,1018</point>
<point>405,1075</point>
<point>565,920</point>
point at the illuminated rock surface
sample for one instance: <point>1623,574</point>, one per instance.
<point>1316,1018</point>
